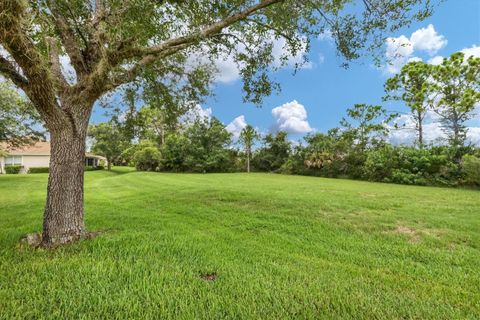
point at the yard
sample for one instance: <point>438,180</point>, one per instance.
<point>244,246</point>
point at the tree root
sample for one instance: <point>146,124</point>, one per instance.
<point>35,240</point>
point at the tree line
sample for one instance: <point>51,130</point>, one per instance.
<point>358,148</point>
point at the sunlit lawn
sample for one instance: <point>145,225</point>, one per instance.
<point>269,246</point>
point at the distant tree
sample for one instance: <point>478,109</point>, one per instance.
<point>19,122</point>
<point>147,158</point>
<point>247,138</point>
<point>151,124</point>
<point>174,152</point>
<point>456,85</point>
<point>201,147</point>
<point>330,153</point>
<point>154,122</point>
<point>413,86</point>
<point>208,142</point>
<point>366,124</point>
<point>274,153</point>
<point>471,168</point>
<point>108,141</point>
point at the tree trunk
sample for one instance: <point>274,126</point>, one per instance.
<point>420,129</point>
<point>248,161</point>
<point>456,129</point>
<point>63,216</point>
<point>109,164</point>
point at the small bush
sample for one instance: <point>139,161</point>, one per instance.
<point>471,168</point>
<point>90,168</point>
<point>147,159</point>
<point>38,170</point>
<point>13,169</point>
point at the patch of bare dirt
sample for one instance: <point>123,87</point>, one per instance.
<point>412,234</point>
<point>209,276</point>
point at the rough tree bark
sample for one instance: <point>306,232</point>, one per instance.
<point>63,217</point>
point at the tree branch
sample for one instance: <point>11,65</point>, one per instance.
<point>131,74</point>
<point>9,70</point>
<point>272,28</point>
<point>151,54</point>
<point>40,86</point>
<point>202,34</point>
<point>67,37</point>
<point>55,63</point>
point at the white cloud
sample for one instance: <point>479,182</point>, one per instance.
<point>196,113</point>
<point>469,52</point>
<point>473,136</point>
<point>236,126</point>
<point>414,59</point>
<point>432,131</point>
<point>400,50</point>
<point>437,60</point>
<point>407,135</point>
<point>228,70</point>
<point>321,58</point>
<point>427,39</point>
<point>4,54</point>
<point>291,117</point>
<point>281,48</point>
<point>325,36</point>
<point>473,51</point>
<point>67,69</point>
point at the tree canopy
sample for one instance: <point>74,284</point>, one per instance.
<point>456,90</point>
<point>19,123</point>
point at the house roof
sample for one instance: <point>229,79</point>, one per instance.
<point>40,148</point>
<point>91,155</point>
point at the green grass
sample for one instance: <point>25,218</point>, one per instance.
<point>281,246</point>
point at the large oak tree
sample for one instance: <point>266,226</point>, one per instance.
<point>111,43</point>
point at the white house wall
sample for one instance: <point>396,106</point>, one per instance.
<point>35,161</point>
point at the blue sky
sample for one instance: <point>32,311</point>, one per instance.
<point>325,89</point>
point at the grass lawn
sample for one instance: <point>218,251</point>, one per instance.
<point>277,246</point>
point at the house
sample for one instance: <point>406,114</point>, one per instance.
<point>37,155</point>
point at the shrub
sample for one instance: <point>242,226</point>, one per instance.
<point>380,164</point>
<point>91,168</point>
<point>13,169</point>
<point>471,169</point>
<point>174,153</point>
<point>38,170</point>
<point>147,159</point>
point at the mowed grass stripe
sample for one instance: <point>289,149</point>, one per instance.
<point>281,247</point>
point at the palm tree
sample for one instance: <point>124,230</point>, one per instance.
<point>247,138</point>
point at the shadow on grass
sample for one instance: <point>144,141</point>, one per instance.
<point>122,170</point>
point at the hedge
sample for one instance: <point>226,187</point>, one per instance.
<point>90,168</point>
<point>38,170</point>
<point>13,169</point>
